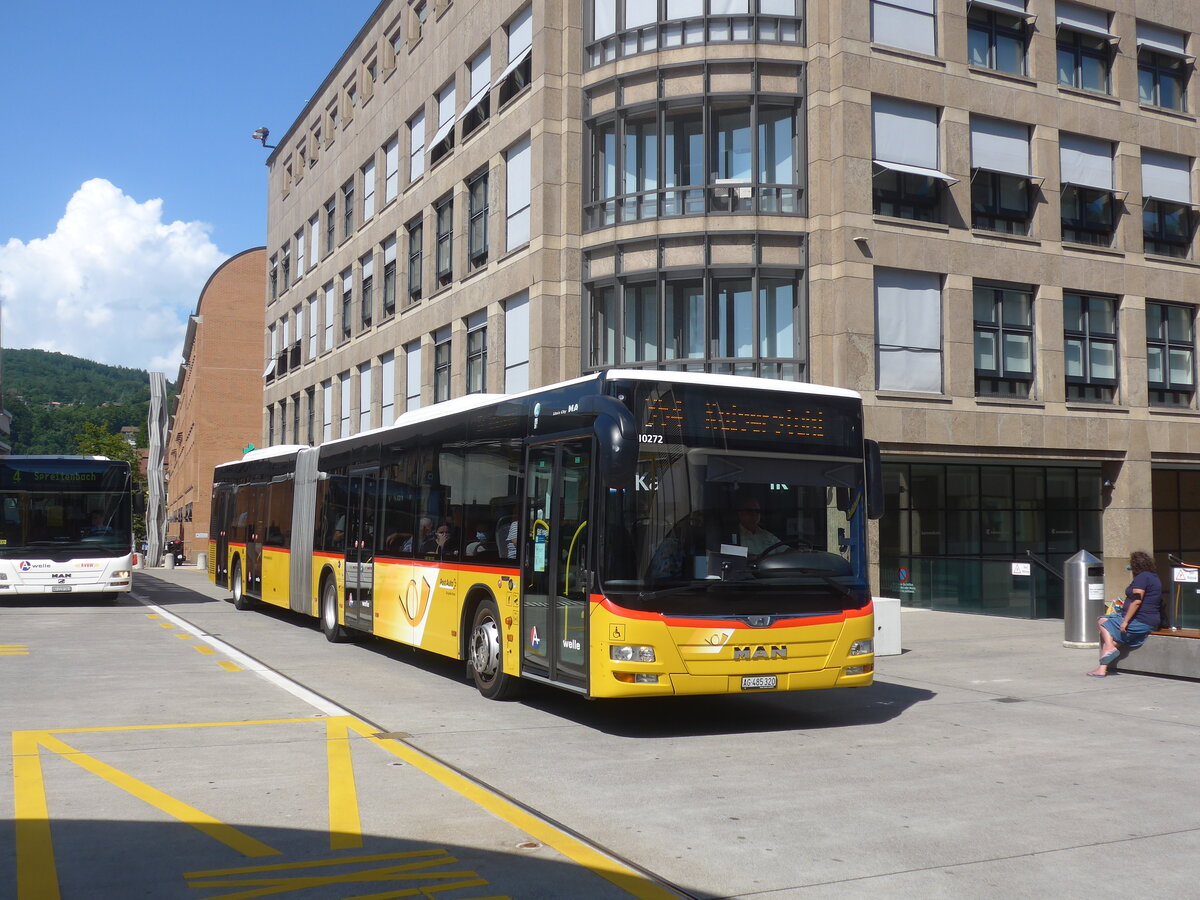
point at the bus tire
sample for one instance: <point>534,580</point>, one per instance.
<point>334,633</point>
<point>485,655</point>
<point>240,600</point>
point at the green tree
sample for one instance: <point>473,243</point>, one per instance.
<point>95,440</point>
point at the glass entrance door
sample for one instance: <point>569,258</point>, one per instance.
<point>362,505</point>
<point>554,561</point>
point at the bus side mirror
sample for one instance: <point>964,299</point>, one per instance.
<point>616,440</point>
<point>874,480</point>
<point>139,503</point>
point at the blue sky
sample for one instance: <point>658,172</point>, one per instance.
<point>111,106</point>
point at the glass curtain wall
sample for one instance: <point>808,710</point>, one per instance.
<point>952,534</point>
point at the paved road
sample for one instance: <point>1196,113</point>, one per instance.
<point>981,764</point>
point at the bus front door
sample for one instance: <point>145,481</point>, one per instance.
<point>361,508</point>
<point>554,561</point>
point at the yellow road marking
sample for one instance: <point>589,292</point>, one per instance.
<point>184,635</point>
<point>345,825</point>
<point>13,650</point>
<point>37,879</point>
<point>167,624</point>
<point>229,666</point>
<point>204,648</point>
<point>152,615</point>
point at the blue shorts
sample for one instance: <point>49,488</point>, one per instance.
<point>1133,636</point>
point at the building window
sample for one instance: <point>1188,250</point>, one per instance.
<point>629,27</point>
<point>907,182</point>
<point>1003,341</point>
<point>1085,47</point>
<point>477,226</point>
<point>270,426</point>
<point>750,322</point>
<point>273,279</point>
<point>326,410</point>
<point>443,138</point>
<point>364,397</point>
<point>347,209</point>
<point>367,300</point>
<point>1167,213</point>
<point>368,177</point>
<point>389,277</point>
<point>347,301</point>
<point>518,160</point>
<point>1001,186</point>
<point>312,327</point>
<point>387,398</point>
<point>908,337</point>
<point>1088,199</point>
<point>330,222</point>
<point>295,418</point>
<point>478,108</point>
<point>300,254</point>
<point>344,419</point>
<point>1090,337</point>
<point>420,13</point>
<point>310,397</point>
<point>907,24</point>
<point>415,260</point>
<point>519,72</point>
<point>412,363</point>
<point>441,365</point>
<point>656,163</point>
<point>391,169</point>
<point>285,270</point>
<point>997,40</point>
<point>314,235</point>
<point>516,344</point>
<point>444,252</point>
<point>329,317</point>
<point>477,353</point>
<point>1170,359</point>
<point>1163,66</point>
<point>416,146</point>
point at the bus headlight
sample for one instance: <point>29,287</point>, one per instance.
<point>862,648</point>
<point>124,573</point>
<point>628,653</point>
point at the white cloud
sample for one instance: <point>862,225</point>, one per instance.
<point>112,283</point>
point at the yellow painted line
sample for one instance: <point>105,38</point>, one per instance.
<point>411,872</point>
<point>229,666</point>
<point>611,870</point>
<point>167,624</point>
<point>152,615</point>
<point>184,812</point>
<point>205,649</point>
<point>104,729</point>
<point>37,877</point>
<point>315,864</point>
<point>13,650</point>
<point>183,635</point>
<point>345,825</point>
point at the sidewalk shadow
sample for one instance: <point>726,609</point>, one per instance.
<point>167,593</point>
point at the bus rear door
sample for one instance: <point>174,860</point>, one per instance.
<point>554,561</point>
<point>362,507</point>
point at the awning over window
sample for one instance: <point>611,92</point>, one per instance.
<point>1166,176</point>
<point>521,57</point>
<point>1085,161</point>
<point>1084,19</point>
<point>1012,7</point>
<point>904,133</point>
<point>1163,40</point>
<point>1000,146</point>
<point>270,369</point>
<point>916,170</point>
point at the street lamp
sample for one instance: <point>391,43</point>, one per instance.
<point>261,134</point>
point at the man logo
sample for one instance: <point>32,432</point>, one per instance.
<point>760,652</point>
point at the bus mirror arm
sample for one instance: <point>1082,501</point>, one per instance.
<point>616,439</point>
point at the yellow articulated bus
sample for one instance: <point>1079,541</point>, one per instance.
<point>626,534</point>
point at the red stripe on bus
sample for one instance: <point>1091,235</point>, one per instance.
<point>725,623</point>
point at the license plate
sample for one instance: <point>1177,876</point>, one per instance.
<point>758,682</point>
<point>60,588</point>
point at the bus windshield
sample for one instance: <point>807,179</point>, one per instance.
<point>64,509</point>
<point>744,503</point>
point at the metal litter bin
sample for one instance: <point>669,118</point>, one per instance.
<point>1083,600</point>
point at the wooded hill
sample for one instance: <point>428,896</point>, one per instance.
<point>51,396</point>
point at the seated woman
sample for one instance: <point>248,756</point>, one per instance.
<point>1128,626</point>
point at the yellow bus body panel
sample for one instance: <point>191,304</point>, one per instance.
<point>713,659</point>
<point>276,577</point>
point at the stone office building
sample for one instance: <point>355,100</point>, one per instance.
<point>977,213</point>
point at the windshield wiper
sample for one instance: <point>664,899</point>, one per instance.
<point>644,595</point>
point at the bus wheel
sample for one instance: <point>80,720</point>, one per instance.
<point>334,632</point>
<point>484,655</point>
<point>240,600</point>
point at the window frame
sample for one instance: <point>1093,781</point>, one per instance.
<point>988,22</point>
<point>1002,380</point>
<point>477,219</point>
<point>1161,392</point>
<point>1088,387</point>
